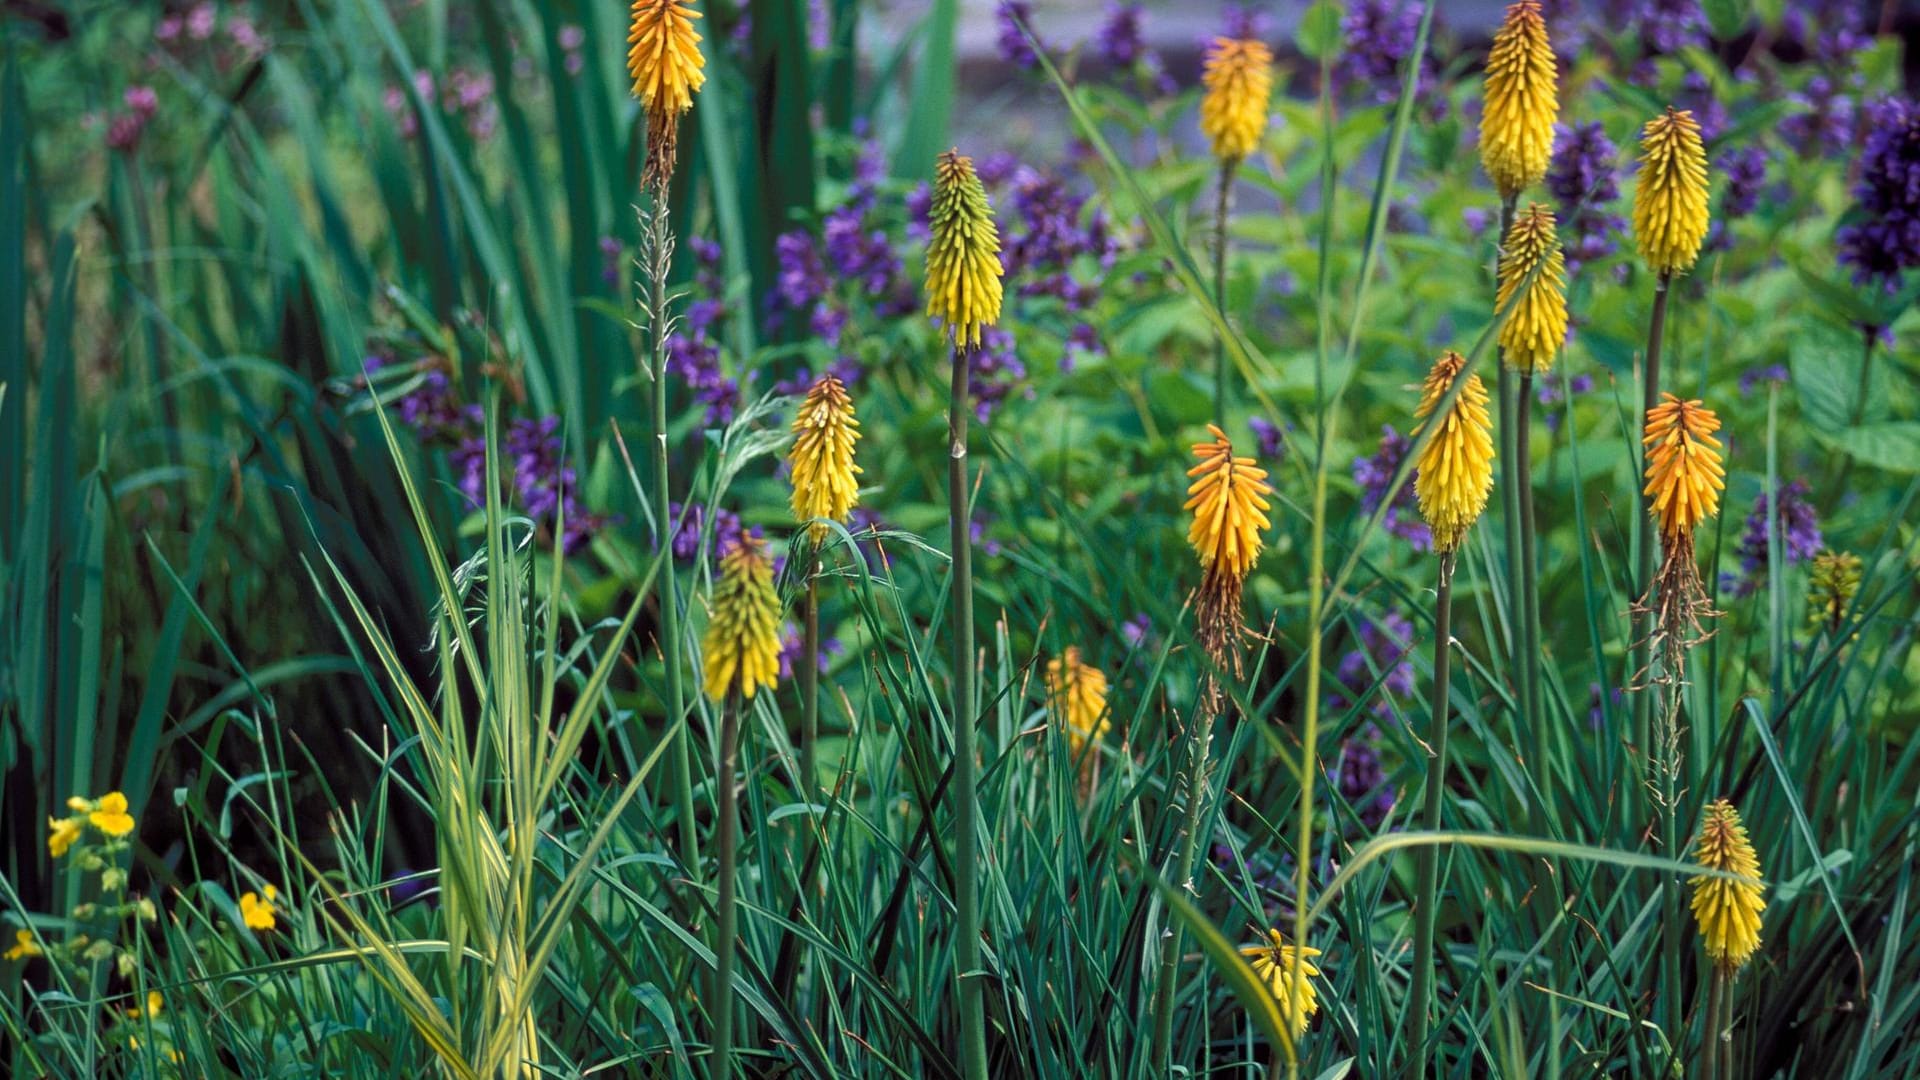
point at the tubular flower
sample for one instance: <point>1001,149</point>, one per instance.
<point>1684,475</point>
<point>257,909</point>
<point>62,834</point>
<point>1455,471</point>
<point>743,637</point>
<point>1286,970</point>
<point>1516,122</point>
<point>1537,328</point>
<point>963,256</point>
<point>824,432</point>
<point>1670,199</point>
<point>663,57</point>
<point>23,946</point>
<point>1239,82</point>
<point>1229,507</point>
<point>110,815</point>
<point>1831,582</point>
<point>1727,911</point>
<point>1077,694</point>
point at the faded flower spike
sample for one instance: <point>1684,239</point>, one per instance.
<point>1684,475</point>
<point>1228,501</point>
<point>1521,104</point>
<point>1286,970</point>
<point>824,432</point>
<point>663,57</point>
<point>1832,580</point>
<point>1455,471</point>
<point>1077,695</point>
<point>963,256</point>
<point>743,635</point>
<point>1537,328</point>
<point>1239,82</point>
<point>1727,911</point>
<point>1670,198</point>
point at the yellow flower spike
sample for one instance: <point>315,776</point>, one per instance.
<point>1727,911</point>
<point>23,947</point>
<point>1832,580</point>
<point>743,633</point>
<point>63,833</point>
<point>111,815</point>
<point>257,909</point>
<point>1077,695</point>
<point>1534,333</point>
<point>1228,500</point>
<point>1274,962</point>
<point>1239,81</point>
<point>663,58</point>
<point>1521,102</point>
<point>1455,471</point>
<point>824,431</point>
<point>1684,474</point>
<point>963,256</point>
<point>1670,198</point>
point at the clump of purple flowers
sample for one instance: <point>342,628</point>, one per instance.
<point>1380,35</point>
<point>791,645</point>
<point>693,349</point>
<point>125,128</point>
<point>1883,239</point>
<point>1583,177</point>
<point>1363,778</point>
<point>854,241</point>
<point>716,526</point>
<point>533,457</point>
<point>1381,652</point>
<point>1015,49</point>
<point>1751,378</point>
<point>1375,473</point>
<point>1825,118</point>
<point>1799,527</point>
<point>1269,439</point>
<point>1557,386</point>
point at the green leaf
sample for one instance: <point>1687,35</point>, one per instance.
<point>1320,29</point>
<point>1894,447</point>
<point>1726,17</point>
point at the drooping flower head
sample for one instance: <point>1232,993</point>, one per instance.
<point>1534,333</point>
<point>963,255</point>
<point>1286,971</point>
<point>1670,199</point>
<point>742,644</point>
<point>663,58</point>
<point>1455,473</point>
<point>1684,474</point>
<point>1228,500</point>
<point>824,432</point>
<point>1727,911</point>
<point>1239,82</point>
<point>1831,582</point>
<point>1077,696</point>
<point>1522,102</point>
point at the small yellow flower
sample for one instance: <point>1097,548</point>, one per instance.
<point>1455,471</point>
<point>1077,694</point>
<point>257,910</point>
<point>963,255</point>
<point>824,432</point>
<point>1521,103</point>
<point>154,1004</point>
<point>62,833</point>
<point>663,57</point>
<point>1684,475</point>
<point>1727,911</point>
<point>111,815</point>
<point>1670,198</point>
<point>1274,961</point>
<point>1831,582</point>
<point>743,634</point>
<point>1239,81</point>
<point>23,946</point>
<point>1533,334</point>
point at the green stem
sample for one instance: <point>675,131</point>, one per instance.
<point>1427,856</point>
<point>1503,460</point>
<point>1710,1037</point>
<point>1221,207</point>
<point>1672,924</point>
<point>1529,608</point>
<point>810,689</point>
<point>1723,1027</point>
<point>727,934</point>
<point>1643,541</point>
<point>660,261</point>
<point>966,854</point>
<point>1188,841</point>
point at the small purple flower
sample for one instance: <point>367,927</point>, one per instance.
<point>996,371</point>
<point>1597,704</point>
<point>1883,240</point>
<point>1380,35</point>
<point>1476,219</point>
<point>1751,378</point>
<point>791,645</point>
<point>1746,171</point>
<point>1269,439</point>
<point>1119,40</point>
<point>1247,22</point>
<point>1799,527</point>
<point>1011,16</point>
<point>1825,120</point>
<point>802,278</point>
<point>1557,386</point>
<point>717,528</point>
<point>610,258</point>
<point>1380,653</point>
<point>1582,176</point>
<point>1363,779</point>
<point>1136,631</point>
<point>1374,475</point>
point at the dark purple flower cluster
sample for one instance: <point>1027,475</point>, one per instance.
<point>533,459</point>
<point>1137,631</point>
<point>791,645</point>
<point>1666,26</point>
<point>1834,43</point>
<point>1120,41</point>
<point>1824,120</point>
<point>1010,16</point>
<point>1557,386</point>
<point>1583,177</point>
<point>1597,704</point>
<point>1269,440</point>
<point>1051,232</point>
<point>1363,778</point>
<point>1380,35</point>
<point>1379,654</point>
<point>995,370</point>
<point>854,241</point>
<point>693,349</point>
<point>1799,527</point>
<point>1883,239</point>
<point>125,128</point>
<point>1246,22</point>
<point>1375,473</point>
<point>1751,378</point>
<point>716,527</point>
<point>1745,168</point>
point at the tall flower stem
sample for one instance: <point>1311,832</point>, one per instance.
<point>726,937</point>
<point>1427,858</point>
<point>1710,1037</point>
<point>1509,490</point>
<point>1528,613</point>
<point>966,855</point>
<point>1723,1024</point>
<point>1187,842</point>
<point>1671,920</point>
<point>810,687</point>
<point>1642,639</point>
<point>659,264</point>
<point>1222,207</point>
